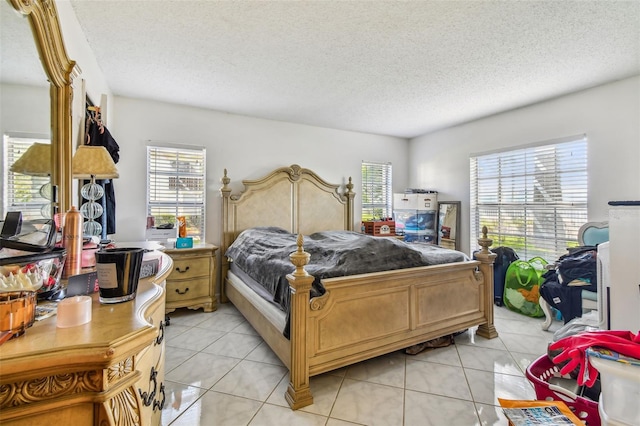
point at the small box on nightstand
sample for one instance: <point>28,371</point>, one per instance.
<point>384,228</point>
<point>184,242</point>
<point>162,235</point>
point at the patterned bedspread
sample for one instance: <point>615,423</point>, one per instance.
<point>263,254</point>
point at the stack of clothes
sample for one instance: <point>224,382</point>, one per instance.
<point>563,285</point>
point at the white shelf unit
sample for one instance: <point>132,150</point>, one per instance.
<point>624,267</point>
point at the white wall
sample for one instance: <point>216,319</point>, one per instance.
<point>79,51</point>
<point>609,115</point>
<point>24,111</point>
<point>247,147</point>
<point>88,79</point>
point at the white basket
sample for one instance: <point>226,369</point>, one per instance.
<point>620,391</point>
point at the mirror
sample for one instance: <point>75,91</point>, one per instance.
<point>449,224</point>
<point>42,17</point>
<point>25,115</point>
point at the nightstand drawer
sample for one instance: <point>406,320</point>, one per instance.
<point>192,281</point>
<point>189,268</point>
<point>187,289</point>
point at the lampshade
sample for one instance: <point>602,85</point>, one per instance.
<point>36,161</point>
<point>93,161</point>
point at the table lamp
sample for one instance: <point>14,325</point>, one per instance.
<point>36,161</point>
<point>93,162</point>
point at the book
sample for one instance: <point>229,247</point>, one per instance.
<point>533,413</point>
<point>610,355</point>
<point>149,267</point>
<point>82,284</point>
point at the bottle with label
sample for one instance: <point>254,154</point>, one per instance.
<point>72,241</point>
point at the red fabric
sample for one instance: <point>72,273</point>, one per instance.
<point>574,348</point>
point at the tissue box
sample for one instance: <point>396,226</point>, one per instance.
<point>184,242</point>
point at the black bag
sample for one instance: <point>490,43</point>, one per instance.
<point>579,264</point>
<point>505,256</point>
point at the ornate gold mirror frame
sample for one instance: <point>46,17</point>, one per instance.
<point>43,18</point>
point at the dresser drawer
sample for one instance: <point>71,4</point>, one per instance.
<point>184,269</point>
<point>187,289</point>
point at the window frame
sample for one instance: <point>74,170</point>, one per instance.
<point>377,186</point>
<point>188,175</point>
<point>35,207</point>
<point>541,187</point>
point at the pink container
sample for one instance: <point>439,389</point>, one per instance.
<point>540,371</point>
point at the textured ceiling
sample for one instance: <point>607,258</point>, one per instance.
<point>385,67</point>
<point>19,63</point>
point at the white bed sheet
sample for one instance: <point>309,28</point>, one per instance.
<point>272,313</point>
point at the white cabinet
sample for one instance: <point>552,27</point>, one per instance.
<point>624,268</point>
<point>419,201</point>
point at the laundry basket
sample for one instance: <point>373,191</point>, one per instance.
<point>540,371</point>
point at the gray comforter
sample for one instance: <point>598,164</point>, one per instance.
<point>263,254</point>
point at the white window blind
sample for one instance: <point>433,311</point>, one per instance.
<point>21,191</point>
<point>176,187</point>
<point>532,199</point>
<point>377,191</point>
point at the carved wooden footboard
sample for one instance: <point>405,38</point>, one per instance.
<point>364,316</point>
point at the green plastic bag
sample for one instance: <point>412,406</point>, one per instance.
<point>522,286</point>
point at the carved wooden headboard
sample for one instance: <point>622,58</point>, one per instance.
<point>291,198</point>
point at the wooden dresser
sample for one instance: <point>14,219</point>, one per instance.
<point>192,281</point>
<point>109,371</point>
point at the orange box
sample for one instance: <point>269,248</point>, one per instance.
<point>182,223</point>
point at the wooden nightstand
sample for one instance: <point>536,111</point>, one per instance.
<point>192,281</point>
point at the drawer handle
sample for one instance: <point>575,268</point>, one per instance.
<point>182,271</point>
<point>182,292</point>
<point>149,398</point>
<point>160,337</point>
<point>159,405</point>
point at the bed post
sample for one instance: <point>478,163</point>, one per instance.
<point>349,194</point>
<point>298,393</point>
<point>486,258</point>
<point>225,191</point>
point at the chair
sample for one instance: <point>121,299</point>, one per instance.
<point>589,234</point>
<point>592,234</point>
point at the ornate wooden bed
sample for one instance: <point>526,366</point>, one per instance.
<point>359,317</point>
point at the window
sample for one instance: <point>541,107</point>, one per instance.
<point>532,199</point>
<point>377,197</point>
<point>176,187</point>
<point>22,192</point>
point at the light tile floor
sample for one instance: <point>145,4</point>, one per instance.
<point>220,372</point>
